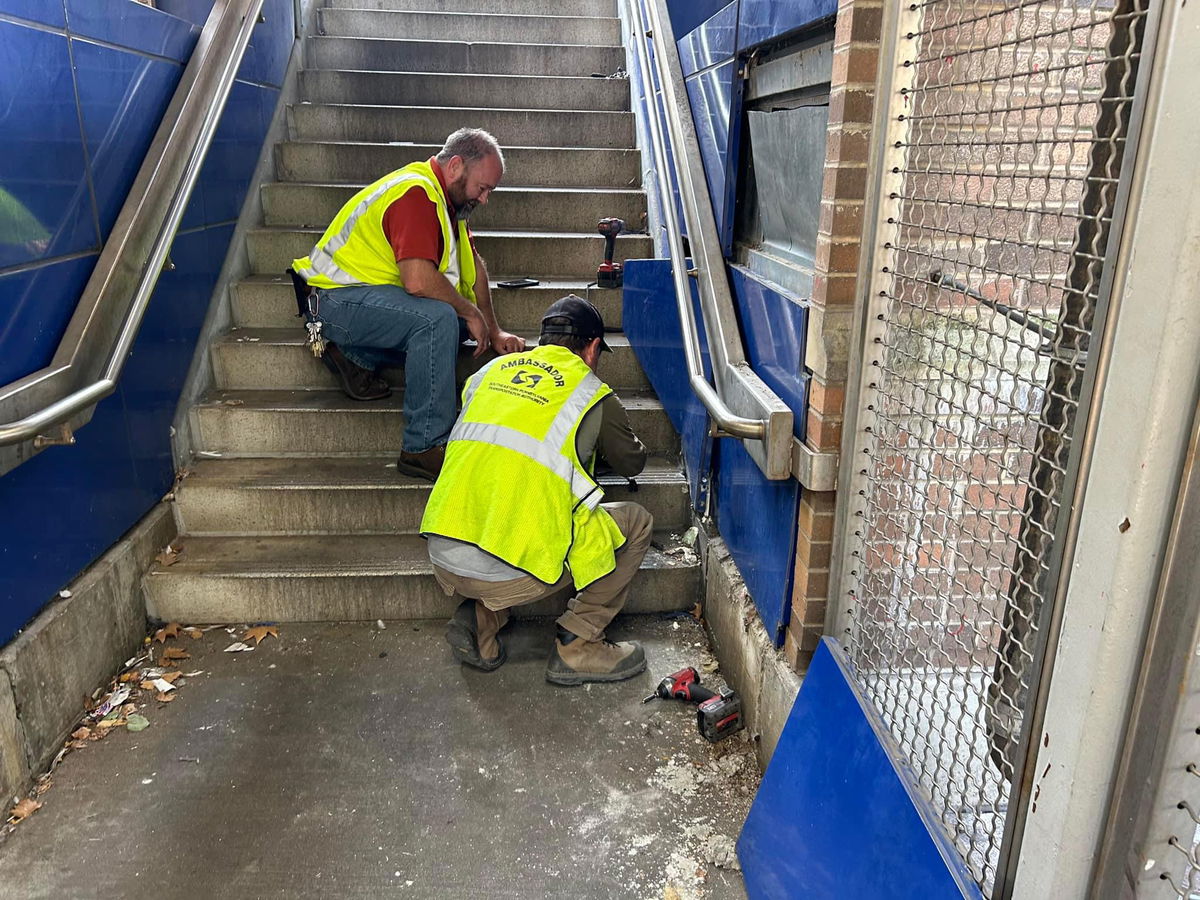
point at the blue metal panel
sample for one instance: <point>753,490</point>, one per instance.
<point>35,305</point>
<point>710,95</point>
<point>775,328</point>
<point>837,815</point>
<point>712,42</point>
<point>133,25</point>
<point>764,20</point>
<point>122,96</point>
<point>652,325</point>
<point>48,12</point>
<point>686,15</point>
<point>45,208</point>
<point>757,518</point>
<point>270,44</point>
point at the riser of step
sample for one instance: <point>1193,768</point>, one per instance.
<point>249,359</point>
<point>496,91</point>
<point>318,423</point>
<point>267,301</point>
<point>357,496</point>
<point>519,253</point>
<point>427,124</point>
<point>349,579</point>
<point>461,57</point>
<point>463,26</point>
<point>359,163</point>
<point>600,8</point>
<point>527,209</point>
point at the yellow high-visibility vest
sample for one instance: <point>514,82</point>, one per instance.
<point>354,249</point>
<point>512,483</point>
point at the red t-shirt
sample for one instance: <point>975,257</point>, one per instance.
<point>411,223</point>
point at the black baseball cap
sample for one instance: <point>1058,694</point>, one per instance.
<point>576,316</point>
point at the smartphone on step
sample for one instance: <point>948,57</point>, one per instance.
<point>518,283</point>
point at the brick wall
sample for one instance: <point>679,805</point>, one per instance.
<point>851,106</point>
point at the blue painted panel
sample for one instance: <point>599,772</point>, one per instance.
<point>757,518</point>
<point>194,11</point>
<point>764,20</point>
<point>686,15</point>
<point>35,306</point>
<point>710,95</point>
<point>45,207</point>
<point>48,12</point>
<point>836,815</point>
<point>713,42</point>
<point>270,45</point>
<point>234,152</point>
<point>775,327</point>
<point>652,326</point>
<point>122,97</point>
<point>133,25</point>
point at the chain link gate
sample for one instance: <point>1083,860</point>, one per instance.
<point>1003,151</point>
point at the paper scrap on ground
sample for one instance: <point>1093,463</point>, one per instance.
<point>237,647</point>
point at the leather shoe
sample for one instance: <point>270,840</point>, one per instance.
<point>427,464</point>
<point>357,383</point>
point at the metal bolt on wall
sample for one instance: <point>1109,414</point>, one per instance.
<point>1003,152</point>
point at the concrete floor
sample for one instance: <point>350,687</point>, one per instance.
<point>349,761</point>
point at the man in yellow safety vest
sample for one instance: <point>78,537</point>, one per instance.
<point>397,272</point>
<point>516,514</point>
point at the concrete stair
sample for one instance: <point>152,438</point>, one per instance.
<point>293,509</point>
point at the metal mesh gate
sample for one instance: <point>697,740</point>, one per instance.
<point>1006,127</point>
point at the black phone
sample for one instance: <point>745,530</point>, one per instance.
<point>518,283</point>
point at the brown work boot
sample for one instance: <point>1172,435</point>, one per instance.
<point>576,661</point>
<point>427,464</point>
<point>471,634</point>
<point>357,383</point>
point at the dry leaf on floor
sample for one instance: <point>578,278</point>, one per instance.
<point>146,685</point>
<point>175,653</point>
<point>697,611</point>
<point>163,697</point>
<point>137,723</point>
<point>258,632</point>
<point>167,631</point>
<point>42,786</point>
<point>171,677</point>
<point>194,633</point>
<point>168,557</point>
<point>23,810</point>
<point>131,675</point>
<point>110,723</point>
<point>81,733</point>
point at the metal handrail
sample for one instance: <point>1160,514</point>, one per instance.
<point>133,257</point>
<point>741,404</point>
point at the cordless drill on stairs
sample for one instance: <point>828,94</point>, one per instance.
<point>718,715</point>
<point>609,273</point>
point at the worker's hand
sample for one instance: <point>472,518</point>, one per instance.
<point>503,342</point>
<point>479,333</point>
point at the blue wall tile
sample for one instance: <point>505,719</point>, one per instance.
<point>45,205</point>
<point>122,97</point>
<point>194,11</point>
<point>270,45</point>
<point>764,20</point>
<point>710,95</point>
<point>234,152</point>
<point>134,26</point>
<point>686,15</point>
<point>48,12</point>
<point>712,42</point>
<point>35,306</point>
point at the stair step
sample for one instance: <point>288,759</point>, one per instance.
<point>267,301</point>
<point>604,8</point>
<point>440,89</point>
<point>275,496</point>
<point>429,124</point>
<point>527,209</point>
<point>346,578</point>
<point>362,163</point>
<point>327,423</point>
<point>461,57</point>
<point>517,29</point>
<point>533,254</point>
<point>279,360</point>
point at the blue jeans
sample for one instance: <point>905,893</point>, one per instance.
<point>374,324</point>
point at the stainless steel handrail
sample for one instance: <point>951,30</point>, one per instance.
<point>741,404</point>
<point>129,265</point>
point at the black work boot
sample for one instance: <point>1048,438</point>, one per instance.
<point>427,464</point>
<point>576,661</point>
<point>465,634</point>
<point>357,383</point>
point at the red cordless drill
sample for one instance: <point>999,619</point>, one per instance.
<point>609,273</point>
<point>717,716</point>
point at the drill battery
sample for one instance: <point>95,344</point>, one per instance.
<point>720,716</point>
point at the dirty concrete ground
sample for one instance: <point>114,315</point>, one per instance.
<point>345,760</point>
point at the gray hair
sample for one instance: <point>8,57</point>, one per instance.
<point>472,145</point>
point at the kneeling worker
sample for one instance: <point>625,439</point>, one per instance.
<point>516,515</point>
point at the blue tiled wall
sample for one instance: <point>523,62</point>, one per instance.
<point>83,86</point>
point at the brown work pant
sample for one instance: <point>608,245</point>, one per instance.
<point>591,610</point>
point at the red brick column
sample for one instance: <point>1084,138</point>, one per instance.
<point>851,106</point>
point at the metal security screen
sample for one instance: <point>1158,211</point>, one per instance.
<point>1006,126</point>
